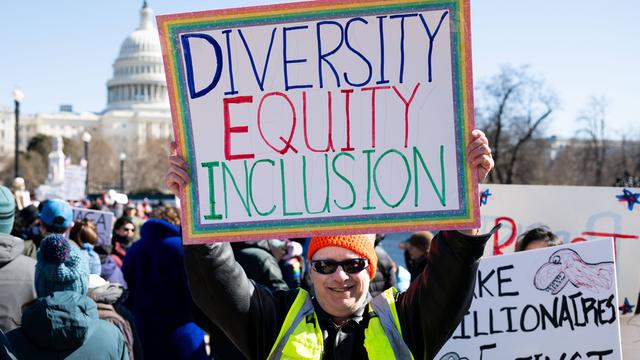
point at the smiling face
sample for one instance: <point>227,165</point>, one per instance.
<point>339,294</point>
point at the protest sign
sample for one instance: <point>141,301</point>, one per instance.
<point>102,219</point>
<point>74,182</point>
<point>322,117</point>
<point>552,303</point>
<point>575,214</point>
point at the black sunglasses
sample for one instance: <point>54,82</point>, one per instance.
<point>350,266</point>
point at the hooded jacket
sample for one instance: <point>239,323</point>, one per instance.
<point>16,281</point>
<point>159,296</point>
<point>65,325</point>
<point>109,298</point>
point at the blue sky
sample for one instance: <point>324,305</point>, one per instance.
<point>61,52</point>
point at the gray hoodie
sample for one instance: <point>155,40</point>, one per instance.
<point>16,281</point>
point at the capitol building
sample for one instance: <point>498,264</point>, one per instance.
<point>137,101</point>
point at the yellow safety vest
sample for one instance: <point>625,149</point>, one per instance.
<point>301,337</point>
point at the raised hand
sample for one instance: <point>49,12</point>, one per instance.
<point>177,176</point>
<point>479,154</point>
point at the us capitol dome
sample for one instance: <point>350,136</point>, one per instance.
<point>138,74</point>
<point>137,101</point>
<point>137,109</point>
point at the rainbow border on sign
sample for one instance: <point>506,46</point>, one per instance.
<point>170,26</point>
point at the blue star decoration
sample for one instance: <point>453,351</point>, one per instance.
<point>626,308</point>
<point>484,196</point>
<point>630,198</point>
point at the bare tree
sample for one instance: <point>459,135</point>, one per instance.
<point>103,165</point>
<point>32,170</point>
<point>594,129</point>
<point>34,163</point>
<point>149,165</point>
<point>513,107</point>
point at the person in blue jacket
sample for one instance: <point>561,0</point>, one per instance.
<point>63,323</point>
<point>159,296</point>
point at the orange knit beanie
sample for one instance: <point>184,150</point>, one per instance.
<point>359,244</point>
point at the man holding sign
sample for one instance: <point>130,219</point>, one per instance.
<point>327,119</point>
<point>341,321</point>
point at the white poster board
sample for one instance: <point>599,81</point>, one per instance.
<point>75,177</point>
<point>555,303</point>
<point>575,214</point>
<point>304,119</point>
<point>102,219</point>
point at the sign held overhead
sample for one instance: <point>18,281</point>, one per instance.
<point>323,117</point>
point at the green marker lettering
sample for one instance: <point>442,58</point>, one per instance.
<point>273,208</point>
<point>284,195</point>
<point>368,206</point>
<point>375,178</point>
<point>441,195</point>
<point>304,186</point>
<point>243,199</point>
<point>353,191</point>
<point>212,193</point>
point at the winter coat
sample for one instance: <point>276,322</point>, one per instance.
<point>16,281</point>
<point>385,276</point>
<point>6,353</point>
<point>65,325</point>
<point>94,259</point>
<point>259,264</point>
<point>109,299</point>
<point>417,267</point>
<point>111,272</point>
<point>252,316</point>
<point>159,296</point>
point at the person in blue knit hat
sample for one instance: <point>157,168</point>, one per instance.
<point>60,267</point>
<point>63,323</point>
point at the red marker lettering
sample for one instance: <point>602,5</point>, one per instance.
<point>228,129</point>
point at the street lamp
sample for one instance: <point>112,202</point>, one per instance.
<point>123,157</point>
<point>18,95</point>
<point>86,138</point>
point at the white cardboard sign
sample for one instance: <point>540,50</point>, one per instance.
<point>299,123</point>
<point>553,303</point>
<point>74,182</point>
<point>575,214</point>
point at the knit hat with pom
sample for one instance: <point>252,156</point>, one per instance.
<point>60,267</point>
<point>359,244</point>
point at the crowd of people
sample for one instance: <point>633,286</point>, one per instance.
<point>66,294</point>
<point>136,283</point>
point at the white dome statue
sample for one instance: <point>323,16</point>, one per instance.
<point>138,74</point>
